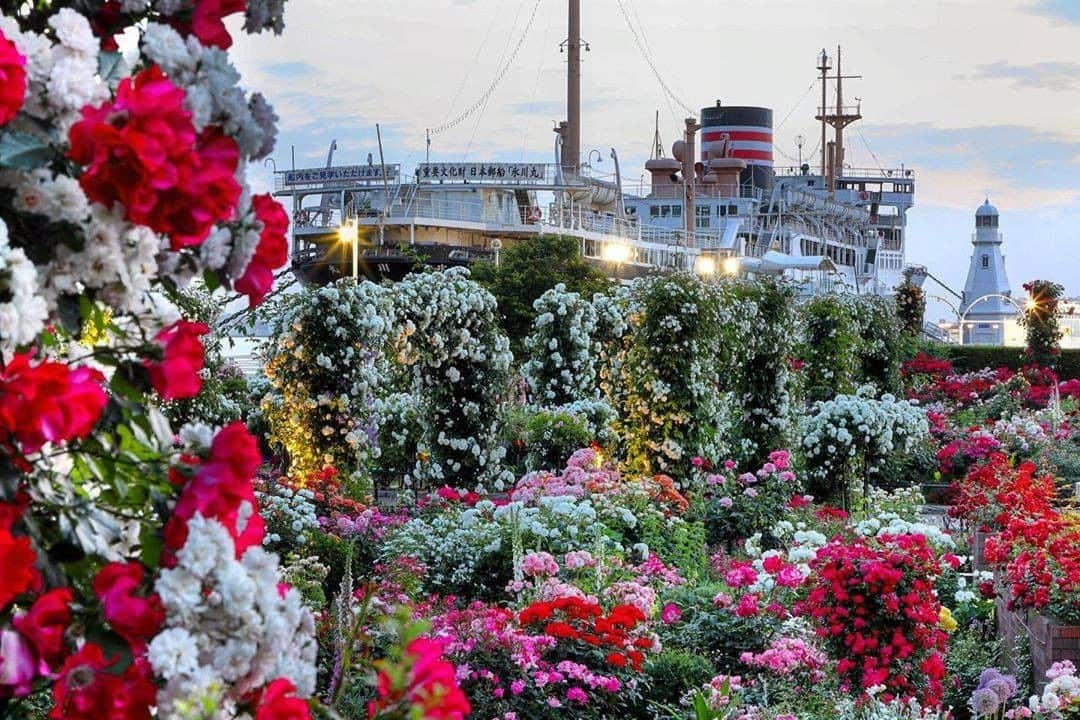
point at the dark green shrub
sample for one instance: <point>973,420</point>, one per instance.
<point>674,673</point>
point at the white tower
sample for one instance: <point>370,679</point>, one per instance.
<point>984,310</point>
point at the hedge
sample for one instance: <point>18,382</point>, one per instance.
<point>975,357</point>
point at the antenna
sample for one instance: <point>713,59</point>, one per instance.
<point>658,144</point>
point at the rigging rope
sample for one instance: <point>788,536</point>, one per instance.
<point>483,99</point>
<point>648,60</point>
<point>867,144</point>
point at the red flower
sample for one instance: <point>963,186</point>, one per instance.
<point>176,375</point>
<point>87,690</point>
<point>136,619</point>
<point>48,402</point>
<point>431,691</point>
<point>271,253</point>
<point>222,490</point>
<point>12,80</point>
<point>616,659</point>
<point>279,702</point>
<point>17,571</point>
<point>43,625</point>
<point>206,21</point>
<point>141,150</point>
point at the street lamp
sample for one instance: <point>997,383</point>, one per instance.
<point>705,266</point>
<point>731,265</point>
<point>615,252</point>
<point>349,232</point>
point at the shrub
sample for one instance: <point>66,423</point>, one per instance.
<point>828,349</point>
<point>1040,317</point>
<point>674,673</point>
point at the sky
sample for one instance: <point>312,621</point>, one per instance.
<point>978,97</point>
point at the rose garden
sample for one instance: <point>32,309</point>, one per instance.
<point>518,493</point>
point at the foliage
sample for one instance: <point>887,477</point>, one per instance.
<point>447,337</point>
<point>910,307</point>
<point>759,373</point>
<point>880,347</point>
<point>224,396</point>
<point>667,399</point>
<point>674,673</point>
<point>528,269</point>
<point>829,347</point>
<point>325,363</point>
<point>1040,317</point>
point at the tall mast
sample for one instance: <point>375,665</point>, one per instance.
<point>571,149</point>
<point>824,67</point>
<point>839,119</point>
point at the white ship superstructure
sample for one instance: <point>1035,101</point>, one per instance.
<point>723,209</point>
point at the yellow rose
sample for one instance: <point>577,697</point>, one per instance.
<point>946,620</point>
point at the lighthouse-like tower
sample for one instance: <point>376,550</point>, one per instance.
<point>984,310</point>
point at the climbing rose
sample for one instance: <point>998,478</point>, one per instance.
<point>48,401</point>
<point>141,150</point>
<point>12,80</point>
<point>87,690</point>
<point>176,375</point>
<point>271,253</point>
<point>17,571</point>
<point>134,618</point>
<point>222,490</point>
<point>44,625</point>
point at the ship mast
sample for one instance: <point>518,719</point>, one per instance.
<point>838,119</point>
<point>571,148</point>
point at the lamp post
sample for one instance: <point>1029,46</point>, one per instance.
<point>349,232</point>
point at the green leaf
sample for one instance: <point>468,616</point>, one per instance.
<point>213,282</point>
<point>112,68</point>
<point>23,151</point>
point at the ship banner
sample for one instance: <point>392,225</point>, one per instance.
<point>341,174</point>
<point>482,172</point>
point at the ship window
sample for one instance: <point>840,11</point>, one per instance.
<point>721,210</point>
<point>703,210</point>
<point>732,209</point>
<point>654,211</point>
<point>665,211</point>
<point>986,261</point>
<point>676,211</point>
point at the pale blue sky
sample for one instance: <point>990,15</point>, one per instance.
<point>977,96</point>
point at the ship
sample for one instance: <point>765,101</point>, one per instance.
<point>717,205</point>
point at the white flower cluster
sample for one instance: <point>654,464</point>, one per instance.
<point>562,354</point>
<point>23,314</point>
<point>211,84</point>
<point>288,511</point>
<point>893,525</point>
<point>1060,694</point>
<point>860,426</point>
<point>228,629</point>
<point>460,546</point>
<point>62,76</point>
<point>450,340</point>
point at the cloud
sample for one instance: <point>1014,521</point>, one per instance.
<point>288,70</point>
<point>1067,10</point>
<point>1057,76</point>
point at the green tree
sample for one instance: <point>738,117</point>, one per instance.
<point>526,271</point>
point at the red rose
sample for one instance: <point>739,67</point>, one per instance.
<point>48,402</point>
<point>12,80</point>
<point>271,253</point>
<point>220,489</point>
<point>279,702</point>
<point>87,690</point>
<point>44,625</point>
<point>142,150</point>
<point>176,375</point>
<point>206,24</point>
<point>136,619</point>
<point>17,571</point>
